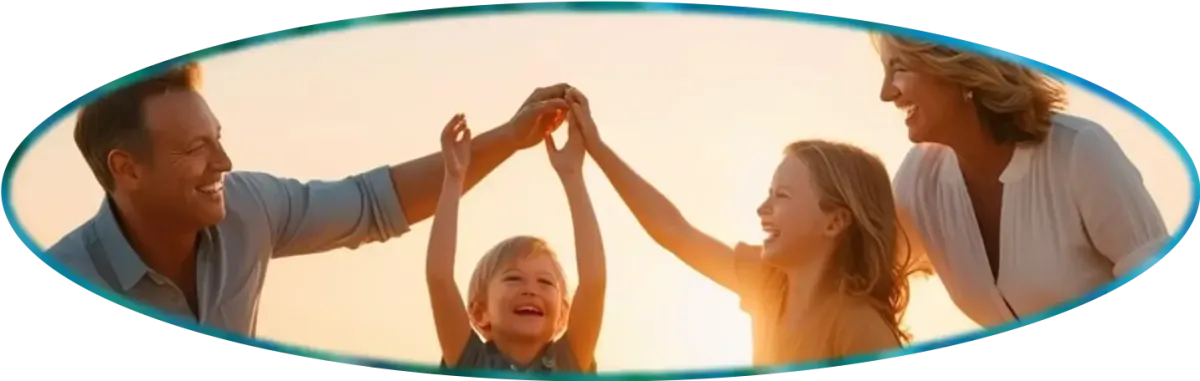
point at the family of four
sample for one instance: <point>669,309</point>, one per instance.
<point>1015,205</point>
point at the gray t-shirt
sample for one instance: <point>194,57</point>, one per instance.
<point>556,357</point>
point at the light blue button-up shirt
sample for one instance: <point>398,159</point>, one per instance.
<point>267,217</point>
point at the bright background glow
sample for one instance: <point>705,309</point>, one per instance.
<point>701,106</point>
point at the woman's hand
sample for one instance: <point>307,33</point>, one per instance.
<point>581,116</point>
<point>456,147</point>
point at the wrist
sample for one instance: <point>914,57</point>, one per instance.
<point>453,181</point>
<point>572,180</point>
<point>506,137</point>
<point>595,145</point>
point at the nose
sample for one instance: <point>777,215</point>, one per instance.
<point>888,92</point>
<point>764,209</point>
<point>220,160</point>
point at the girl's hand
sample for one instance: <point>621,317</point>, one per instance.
<point>568,160</point>
<point>581,116</point>
<point>456,146</point>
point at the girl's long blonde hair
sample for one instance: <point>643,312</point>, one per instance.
<point>505,252</point>
<point>1013,102</point>
<point>869,261</point>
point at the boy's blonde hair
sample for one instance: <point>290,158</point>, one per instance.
<point>1015,103</point>
<point>868,261</point>
<point>505,252</point>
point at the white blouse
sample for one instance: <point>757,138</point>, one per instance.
<point>1075,215</point>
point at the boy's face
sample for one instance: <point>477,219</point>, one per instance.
<point>524,300</point>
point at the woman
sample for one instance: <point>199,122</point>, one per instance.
<point>1018,207</point>
<point>827,281</point>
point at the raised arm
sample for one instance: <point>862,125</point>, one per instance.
<point>418,182</point>
<point>654,212</point>
<point>587,308</point>
<point>449,313</point>
<point>318,216</point>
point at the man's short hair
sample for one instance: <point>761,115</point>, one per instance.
<point>116,120</point>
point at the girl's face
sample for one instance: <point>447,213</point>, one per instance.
<point>791,215</point>
<point>932,105</point>
<point>524,300</point>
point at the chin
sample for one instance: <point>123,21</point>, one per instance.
<point>212,215</point>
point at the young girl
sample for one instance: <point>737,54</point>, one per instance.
<point>827,281</point>
<point>517,299</point>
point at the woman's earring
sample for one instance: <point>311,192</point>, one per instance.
<point>968,95</point>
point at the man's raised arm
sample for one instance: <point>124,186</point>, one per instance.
<point>317,216</point>
<point>418,182</point>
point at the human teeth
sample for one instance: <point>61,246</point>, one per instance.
<point>212,188</point>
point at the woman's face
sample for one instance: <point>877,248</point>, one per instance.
<point>791,216</point>
<point>932,105</point>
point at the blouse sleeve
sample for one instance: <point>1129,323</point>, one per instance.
<point>752,276</point>
<point>1120,217</point>
<point>907,185</point>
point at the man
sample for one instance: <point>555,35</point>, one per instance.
<point>180,232</point>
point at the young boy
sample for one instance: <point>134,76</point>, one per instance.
<point>517,299</point>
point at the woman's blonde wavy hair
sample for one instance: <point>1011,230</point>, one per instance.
<point>870,261</point>
<point>495,260</point>
<point>1013,102</point>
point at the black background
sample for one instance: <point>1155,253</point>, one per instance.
<point>66,48</point>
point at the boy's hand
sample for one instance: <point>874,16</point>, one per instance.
<point>456,146</point>
<point>568,160</point>
<point>581,116</point>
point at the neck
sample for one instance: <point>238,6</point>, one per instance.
<point>521,352</point>
<point>808,283</point>
<point>980,158</point>
<point>163,245</point>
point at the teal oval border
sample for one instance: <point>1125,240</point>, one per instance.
<point>596,7</point>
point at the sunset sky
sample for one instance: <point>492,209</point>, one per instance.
<point>701,106</point>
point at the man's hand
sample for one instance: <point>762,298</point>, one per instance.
<point>543,111</point>
<point>456,147</point>
<point>581,113</point>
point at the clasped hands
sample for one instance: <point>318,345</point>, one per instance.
<point>540,115</point>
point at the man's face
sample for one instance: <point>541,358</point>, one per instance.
<point>183,175</point>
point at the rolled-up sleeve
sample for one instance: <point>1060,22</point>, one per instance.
<point>1120,217</point>
<point>317,216</point>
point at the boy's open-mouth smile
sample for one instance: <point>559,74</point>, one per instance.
<point>528,310</point>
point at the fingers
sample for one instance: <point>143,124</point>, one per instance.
<point>576,96</point>
<point>558,90</point>
<point>466,134</point>
<point>549,104</point>
<point>551,148</point>
<point>453,124</point>
<point>579,112</point>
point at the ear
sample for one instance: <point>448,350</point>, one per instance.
<point>838,222</point>
<point>477,312</point>
<point>125,170</point>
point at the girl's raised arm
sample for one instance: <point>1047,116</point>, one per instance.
<point>449,313</point>
<point>656,214</point>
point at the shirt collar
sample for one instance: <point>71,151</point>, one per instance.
<point>1018,165</point>
<point>125,262</point>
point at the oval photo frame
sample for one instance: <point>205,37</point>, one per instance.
<point>279,35</point>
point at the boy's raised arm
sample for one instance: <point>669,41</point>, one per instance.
<point>449,313</point>
<point>587,308</point>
